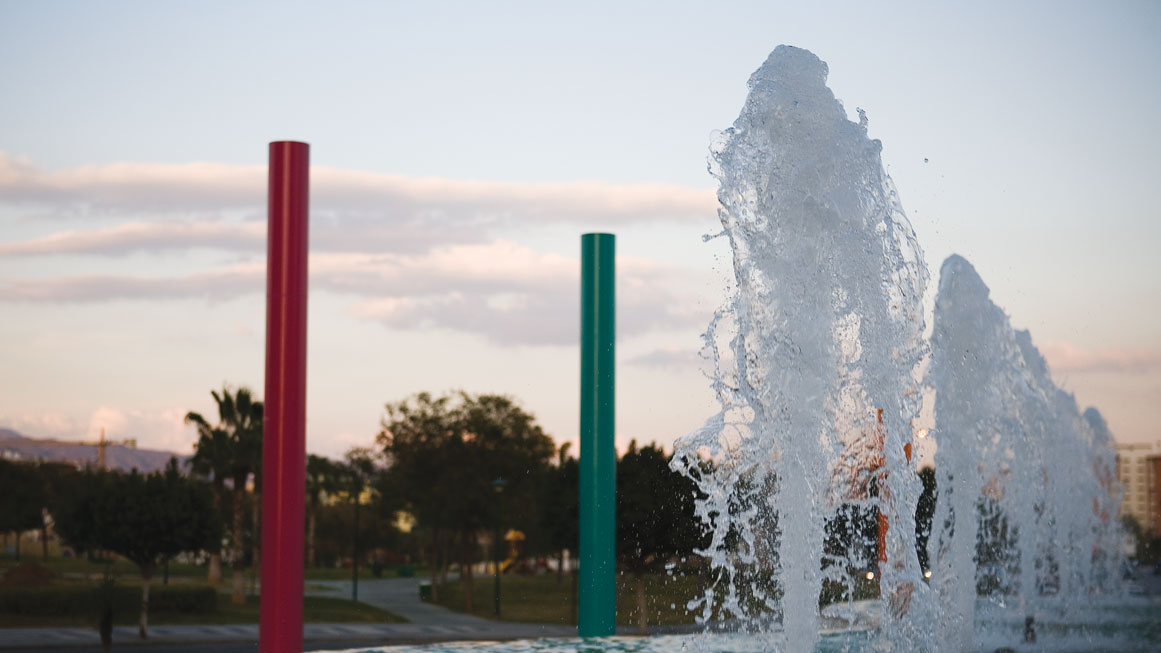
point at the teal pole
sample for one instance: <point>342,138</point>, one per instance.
<point>597,609</point>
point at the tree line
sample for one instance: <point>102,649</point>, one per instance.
<point>146,518</point>
<point>446,478</point>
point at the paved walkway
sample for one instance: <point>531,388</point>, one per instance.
<point>428,623</point>
<point>399,596</point>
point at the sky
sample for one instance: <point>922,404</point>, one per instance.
<point>460,149</point>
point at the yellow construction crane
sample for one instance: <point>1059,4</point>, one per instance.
<point>103,444</point>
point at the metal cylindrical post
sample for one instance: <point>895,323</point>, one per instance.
<point>598,459</point>
<point>284,432</point>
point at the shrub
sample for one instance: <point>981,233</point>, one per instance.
<point>88,599</point>
<point>28,574</point>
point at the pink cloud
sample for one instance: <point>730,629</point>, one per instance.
<point>162,429</point>
<point>134,186</point>
<point>506,292</point>
<point>182,188</point>
<point>134,236</point>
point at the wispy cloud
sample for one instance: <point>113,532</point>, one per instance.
<point>144,236</point>
<point>42,425</point>
<point>1064,357</point>
<point>669,358</point>
<point>158,429</point>
<point>505,292</point>
<point>163,429</point>
<point>345,232</point>
<point>217,284</point>
<point>410,252</point>
<point>132,188</point>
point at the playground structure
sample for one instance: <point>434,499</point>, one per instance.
<point>284,429</point>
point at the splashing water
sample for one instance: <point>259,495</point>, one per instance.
<point>808,459</point>
<point>976,369</point>
<point>1027,486</point>
<point>819,403</point>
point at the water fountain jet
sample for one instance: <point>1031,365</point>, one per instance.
<point>828,333</point>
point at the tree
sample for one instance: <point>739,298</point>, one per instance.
<point>22,498</point>
<point>240,419</point>
<point>414,437</point>
<point>1146,543</point>
<point>444,455</point>
<point>560,515</point>
<point>212,457</point>
<point>143,518</point>
<point>924,514</point>
<point>852,538</point>
<point>57,478</point>
<point>322,478</point>
<point>655,516</point>
<point>997,557</point>
<point>560,507</point>
<point>354,476</point>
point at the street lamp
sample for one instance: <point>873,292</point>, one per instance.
<point>355,491</point>
<point>498,485</point>
<point>359,469</point>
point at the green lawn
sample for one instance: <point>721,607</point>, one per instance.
<point>82,575</point>
<point>81,567</point>
<point>540,599</point>
<point>315,610</point>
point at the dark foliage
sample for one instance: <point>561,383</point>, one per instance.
<point>23,494</point>
<point>560,504</point>
<point>445,454</point>
<point>655,510</point>
<point>90,599</point>
<point>141,517</point>
<point>145,518</point>
<point>924,514</point>
<point>655,517</point>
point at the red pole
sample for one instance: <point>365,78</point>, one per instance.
<point>284,433</point>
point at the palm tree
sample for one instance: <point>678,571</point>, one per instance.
<point>240,418</point>
<point>211,459</point>
<point>322,477</point>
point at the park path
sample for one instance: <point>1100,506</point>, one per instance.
<point>399,596</point>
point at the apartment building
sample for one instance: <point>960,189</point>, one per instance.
<point>1139,471</point>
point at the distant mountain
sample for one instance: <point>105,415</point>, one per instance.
<point>16,446</point>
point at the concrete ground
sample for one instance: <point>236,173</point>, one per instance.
<point>399,596</point>
<point>1148,582</point>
